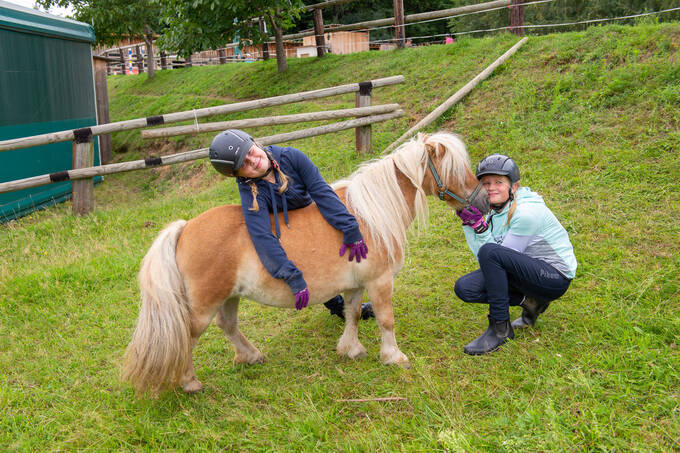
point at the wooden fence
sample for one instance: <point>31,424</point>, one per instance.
<point>83,172</point>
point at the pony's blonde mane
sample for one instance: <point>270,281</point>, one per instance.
<point>374,196</point>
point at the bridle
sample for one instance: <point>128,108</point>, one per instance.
<point>444,191</point>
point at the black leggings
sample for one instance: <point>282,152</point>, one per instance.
<point>505,277</point>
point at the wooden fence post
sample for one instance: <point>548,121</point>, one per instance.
<point>363,133</point>
<point>102,98</point>
<point>222,55</point>
<point>399,23</point>
<point>318,33</point>
<point>164,60</point>
<point>188,63</point>
<point>517,17</point>
<point>83,157</point>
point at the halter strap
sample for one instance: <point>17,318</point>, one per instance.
<point>444,191</point>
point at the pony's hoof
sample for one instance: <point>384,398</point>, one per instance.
<point>354,352</point>
<point>249,360</point>
<point>357,353</point>
<point>397,359</point>
<point>194,386</point>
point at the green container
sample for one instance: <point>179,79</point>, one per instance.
<point>46,85</point>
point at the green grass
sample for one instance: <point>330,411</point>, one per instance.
<point>592,119</point>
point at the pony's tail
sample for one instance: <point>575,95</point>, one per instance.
<point>160,350</point>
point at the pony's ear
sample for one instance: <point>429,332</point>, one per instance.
<point>423,137</point>
<point>430,149</point>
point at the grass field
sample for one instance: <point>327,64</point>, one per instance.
<point>593,120</point>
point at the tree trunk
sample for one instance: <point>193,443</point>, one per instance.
<point>281,63</point>
<point>139,59</point>
<point>265,46</point>
<point>122,61</point>
<point>150,63</point>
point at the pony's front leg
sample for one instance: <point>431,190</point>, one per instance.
<point>348,344</point>
<point>380,293</point>
<point>227,319</point>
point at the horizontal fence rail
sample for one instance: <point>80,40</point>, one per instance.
<point>90,172</point>
<point>63,136</point>
<point>268,121</point>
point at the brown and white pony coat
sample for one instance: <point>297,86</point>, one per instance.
<point>201,268</point>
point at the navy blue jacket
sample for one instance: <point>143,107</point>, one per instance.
<point>305,184</point>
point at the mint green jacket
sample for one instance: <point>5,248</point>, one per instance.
<point>533,230</point>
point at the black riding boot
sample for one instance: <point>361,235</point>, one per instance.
<point>531,308</point>
<point>337,307</point>
<point>496,334</point>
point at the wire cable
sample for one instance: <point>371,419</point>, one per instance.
<point>632,16</point>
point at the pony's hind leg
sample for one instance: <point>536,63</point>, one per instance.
<point>380,293</point>
<point>227,319</point>
<point>348,344</point>
<point>200,320</point>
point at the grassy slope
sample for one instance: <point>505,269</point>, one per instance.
<point>592,119</point>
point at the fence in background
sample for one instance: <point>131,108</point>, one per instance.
<point>83,173</point>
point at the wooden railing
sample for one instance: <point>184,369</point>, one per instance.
<point>83,172</point>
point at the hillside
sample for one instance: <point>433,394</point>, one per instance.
<point>592,118</point>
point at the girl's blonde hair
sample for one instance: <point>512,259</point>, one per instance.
<point>513,206</point>
<point>284,180</point>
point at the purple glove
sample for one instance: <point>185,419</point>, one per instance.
<point>356,249</point>
<point>301,299</point>
<point>472,217</point>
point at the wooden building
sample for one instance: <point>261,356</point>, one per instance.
<point>341,42</point>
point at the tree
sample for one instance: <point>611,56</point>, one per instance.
<point>114,20</point>
<point>209,24</point>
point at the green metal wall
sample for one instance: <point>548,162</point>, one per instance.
<point>46,85</point>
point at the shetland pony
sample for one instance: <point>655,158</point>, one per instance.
<point>201,268</point>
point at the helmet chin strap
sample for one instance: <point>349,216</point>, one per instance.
<point>498,207</point>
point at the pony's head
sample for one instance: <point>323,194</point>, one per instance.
<point>377,195</point>
<point>449,176</point>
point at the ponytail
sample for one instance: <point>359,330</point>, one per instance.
<point>513,206</point>
<point>253,189</point>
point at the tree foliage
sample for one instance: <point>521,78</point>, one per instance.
<point>116,20</point>
<point>210,24</point>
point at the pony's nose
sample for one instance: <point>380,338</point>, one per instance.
<point>481,201</point>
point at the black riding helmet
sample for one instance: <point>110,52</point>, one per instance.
<point>228,151</point>
<point>498,164</point>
